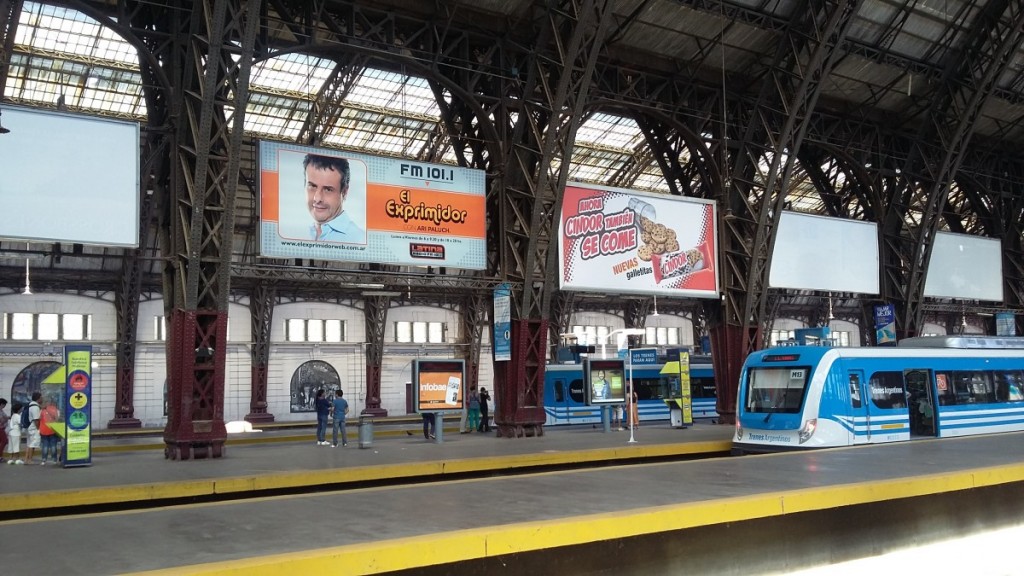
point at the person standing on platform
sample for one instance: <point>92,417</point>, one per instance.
<point>49,414</point>
<point>340,409</point>
<point>323,412</point>
<point>32,438</point>
<point>4,419</point>
<point>634,410</point>
<point>474,409</point>
<point>14,434</point>
<point>617,417</point>
<point>429,425</point>
<point>485,399</point>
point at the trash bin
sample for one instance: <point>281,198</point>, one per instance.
<point>365,431</point>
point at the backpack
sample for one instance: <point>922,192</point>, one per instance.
<point>26,418</point>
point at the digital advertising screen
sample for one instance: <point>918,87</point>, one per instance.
<point>69,178</point>
<point>622,241</point>
<point>334,205</point>
<point>438,385</point>
<point>607,380</point>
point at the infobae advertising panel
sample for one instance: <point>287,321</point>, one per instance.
<point>332,205</point>
<point>612,240</point>
<point>437,384</point>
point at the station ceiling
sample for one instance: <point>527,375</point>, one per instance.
<point>895,56</point>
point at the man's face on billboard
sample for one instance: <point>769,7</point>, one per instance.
<point>325,197</point>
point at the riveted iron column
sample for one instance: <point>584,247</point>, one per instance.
<point>261,310</point>
<point>376,315</point>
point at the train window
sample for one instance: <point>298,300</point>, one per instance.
<point>887,390</point>
<point>972,387</point>
<point>703,388</point>
<point>559,389</point>
<point>943,382</point>
<point>776,389</point>
<point>648,389</point>
<point>855,390</point>
<point>1009,385</point>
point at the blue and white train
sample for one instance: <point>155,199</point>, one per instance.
<point>800,397</point>
<point>564,401</point>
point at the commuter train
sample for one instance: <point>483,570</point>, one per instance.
<point>564,401</point>
<point>800,397</point>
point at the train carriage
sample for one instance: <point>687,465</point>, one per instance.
<point>801,397</point>
<point>565,402</point>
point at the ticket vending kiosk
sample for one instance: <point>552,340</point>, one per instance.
<point>679,398</point>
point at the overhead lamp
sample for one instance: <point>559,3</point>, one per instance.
<point>28,290</point>
<point>655,305</point>
<point>2,129</point>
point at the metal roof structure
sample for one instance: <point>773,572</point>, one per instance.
<point>893,60</point>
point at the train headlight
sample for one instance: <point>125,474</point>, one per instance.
<point>739,431</point>
<point>808,430</point>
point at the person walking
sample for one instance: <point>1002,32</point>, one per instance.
<point>485,423</point>
<point>340,409</point>
<point>4,419</point>
<point>323,412</point>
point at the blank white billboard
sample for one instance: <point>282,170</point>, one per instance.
<point>827,254</point>
<point>965,267</point>
<point>66,178</point>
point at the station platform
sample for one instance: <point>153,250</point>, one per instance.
<point>699,516</point>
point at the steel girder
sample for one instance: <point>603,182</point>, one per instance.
<point>261,313</point>
<point>209,141</point>
<point>971,72</point>
<point>754,201</point>
<point>473,314</point>
<point>552,101</point>
<point>327,107</point>
<point>10,13</point>
<point>126,298</point>
<point>375,313</point>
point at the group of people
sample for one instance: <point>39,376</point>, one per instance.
<point>619,412</point>
<point>39,435</point>
<point>325,410</point>
<point>475,417</point>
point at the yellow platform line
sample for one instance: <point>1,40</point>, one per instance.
<point>42,500</point>
<point>478,543</point>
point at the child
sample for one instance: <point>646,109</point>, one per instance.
<point>14,435</point>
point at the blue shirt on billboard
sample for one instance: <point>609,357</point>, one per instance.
<point>340,229</point>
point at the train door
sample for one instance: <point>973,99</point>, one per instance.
<point>920,402</point>
<point>860,415</point>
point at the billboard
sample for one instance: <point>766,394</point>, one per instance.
<point>828,254</point>
<point>965,267</point>
<point>331,205</point>
<point>607,380</point>
<point>69,178</point>
<point>437,384</point>
<point>614,241</point>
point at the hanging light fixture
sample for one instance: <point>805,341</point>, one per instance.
<point>28,290</point>
<point>655,305</point>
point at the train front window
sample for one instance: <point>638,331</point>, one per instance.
<point>776,389</point>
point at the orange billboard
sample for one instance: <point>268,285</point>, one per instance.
<point>335,205</point>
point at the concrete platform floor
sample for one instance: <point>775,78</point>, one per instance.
<point>375,530</point>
